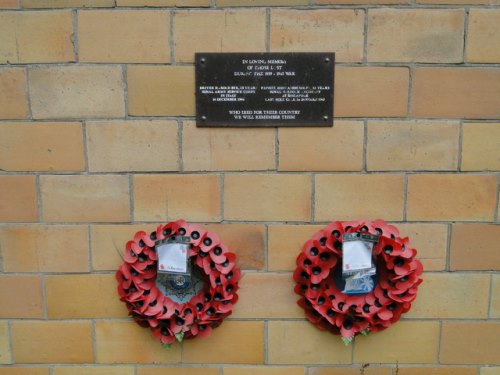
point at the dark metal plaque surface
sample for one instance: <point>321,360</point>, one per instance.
<point>264,89</point>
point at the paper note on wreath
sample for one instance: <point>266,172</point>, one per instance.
<point>172,257</point>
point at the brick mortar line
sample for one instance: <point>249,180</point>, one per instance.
<point>85,148</point>
<point>313,198</point>
<point>448,247</point>
<point>365,36</point>
<point>38,198</point>
<point>9,342</point>
<point>180,140</point>
<point>490,297</point>
<point>89,250</point>
<point>45,306</point>
<point>171,37</point>
<point>131,197</point>
<point>124,69</point>
<point>222,194</point>
<point>497,208</point>
<point>265,335</point>
<point>268,30</point>
<point>405,197</point>
<point>277,149</point>
<point>460,145</point>
<point>466,34</point>
<point>409,104</point>
<point>74,36</point>
<point>364,167</point>
<point>27,92</point>
<point>440,339</point>
<point>266,248</point>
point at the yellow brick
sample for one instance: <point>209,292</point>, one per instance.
<point>481,146</point>
<point>85,198</point>
<point>41,146</point>
<point>459,2</point>
<point>30,305</point>
<point>36,37</point>
<point>216,149</point>
<point>339,30</point>
<point>163,3</point>
<point>77,91</point>
<point>354,197</point>
<point>267,295</point>
<point>24,370</point>
<point>483,35</point>
<point>490,370</point>
<point>371,91</point>
<point>245,240</point>
<point>411,342</point>
<point>49,342</point>
<point>473,247</point>
<point>5,354</point>
<point>442,370</point>
<point>161,90</point>
<point>451,197</point>
<point>415,35</point>
<point>456,92</point>
<point>339,148</point>
<point>175,370</point>
<point>108,244</point>
<point>132,146</point>
<point>13,99</point>
<point>172,197</point>
<point>412,145</point>
<point>351,371</point>
<point>127,342</point>
<point>302,343</point>
<point>9,4</point>
<point>218,31</point>
<point>267,197</point>
<point>285,243</point>
<point>431,242</point>
<point>495,297</point>
<point>479,346</point>
<point>83,296</point>
<point>67,3</point>
<point>245,340</point>
<point>126,36</point>
<point>264,370</point>
<point>431,304</point>
<point>94,370</point>
<point>18,198</point>
<point>44,248</point>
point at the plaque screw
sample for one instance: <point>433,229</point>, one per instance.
<point>203,118</point>
<point>202,60</point>
<point>327,59</point>
<point>325,118</point>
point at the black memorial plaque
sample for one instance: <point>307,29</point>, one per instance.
<point>264,89</point>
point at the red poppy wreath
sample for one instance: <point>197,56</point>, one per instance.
<point>318,278</point>
<point>168,318</point>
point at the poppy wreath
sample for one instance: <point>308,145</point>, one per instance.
<point>328,308</point>
<point>150,308</point>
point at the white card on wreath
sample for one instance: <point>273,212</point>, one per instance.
<point>172,257</point>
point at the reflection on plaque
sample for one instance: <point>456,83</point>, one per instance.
<point>264,89</point>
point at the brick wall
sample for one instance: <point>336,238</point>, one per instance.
<point>97,140</point>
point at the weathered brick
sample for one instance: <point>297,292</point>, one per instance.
<point>83,296</point>
<point>339,30</point>
<point>14,286</point>
<point>411,342</point>
<point>473,247</point>
<point>163,3</point>
<point>171,197</point>
<point>490,371</point>
<point>431,304</point>
<point>249,350</point>
<point>94,370</point>
<point>52,342</point>
<point>495,297</point>
<point>412,145</point>
<point>431,242</point>
<point>286,345</point>
<point>41,248</point>
<point>479,347</point>
<point>483,36</point>
<point>285,243</point>
<point>441,370</point>
<point>132,146</point>
<point>67,3</point>
<point>216,149</point>
<point>371,91</point>
<point>264,370</point>
<point>85,198</point>
<point>339,148</point>
<point>36,37</point>
<point>18,198</point>
<point>351,197</point>
<point>245,240</point>
<point>218,31</point>
<point>267,197</point>
<point>456,92</point>
<point>451,197</point>
<point>481,146</point>
<point>41,146</point>
<point>175,370</point>
<point>127,342</point>
<point>9,4</point>
<point>259,291</point>
<point>161,90</point>
<point>350,371</point>
<point>416,35</point>
<point>77,91</point>
<point>460,2</point>
<point>5,354</point>
<point>13,98</point>
<point>24,370</point>
<point>126,36</point>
